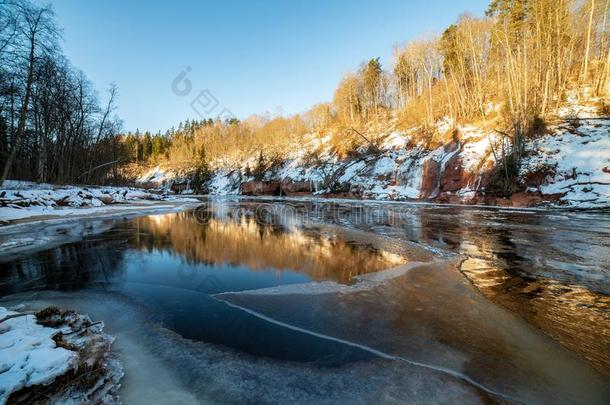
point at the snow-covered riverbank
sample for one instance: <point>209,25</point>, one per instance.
<point>21,201</point>
<point>56,356</point>
<point>567,167</point>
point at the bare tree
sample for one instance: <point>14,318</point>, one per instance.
<point>38,31</point>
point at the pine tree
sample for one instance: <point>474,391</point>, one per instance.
<point>371,77</point>
<point>202,174</point>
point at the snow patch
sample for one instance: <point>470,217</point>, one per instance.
<point>26,200</point>
<point>29,355</point>
<point>580,159</point>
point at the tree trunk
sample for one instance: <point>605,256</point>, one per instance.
<point>585,70</point>
<point>24,109</point>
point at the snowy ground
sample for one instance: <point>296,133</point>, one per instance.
<point>579,157</point>
<point>31,357</point>
<point>21,200</point>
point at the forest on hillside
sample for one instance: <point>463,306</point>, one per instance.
<point>508,71</point>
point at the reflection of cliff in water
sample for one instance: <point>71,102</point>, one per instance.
<point>432,316</point>
<point>260,244</point>
<point>530,267</point>
<point>576,317</point>
<point>68,267</point>
<point>552,269</point>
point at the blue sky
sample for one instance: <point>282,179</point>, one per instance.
<point>252,56</point>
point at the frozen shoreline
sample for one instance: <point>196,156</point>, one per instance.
<point>128,209</point>
<point>21,202</point>
<point>86,213</point>
<point>370,201</point>
<point>53,230</point>
<point>218,375</point>
<point>60,356</point>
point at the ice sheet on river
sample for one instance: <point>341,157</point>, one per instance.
<point>432,317</point>
<point>188,371</point>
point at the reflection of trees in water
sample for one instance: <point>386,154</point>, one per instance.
<point>576,317</point>
<point>68,267</point>
<point>503,270</point>
<point>443,229</point>
<point>510,254</point>
<point>259,242</point>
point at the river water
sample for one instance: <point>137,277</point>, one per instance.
<point>267,301</point>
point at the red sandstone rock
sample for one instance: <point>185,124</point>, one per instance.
<point>448,198</point>
<point>430,178</point>
<point>524,199</point>
<point>260,188</point>
<point>454,177</point>
<point>290,187</point>
<point>503,202</point>
<point>539,177</point>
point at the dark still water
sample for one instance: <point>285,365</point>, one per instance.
<point>263,301</point>
<point>175,262</point>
